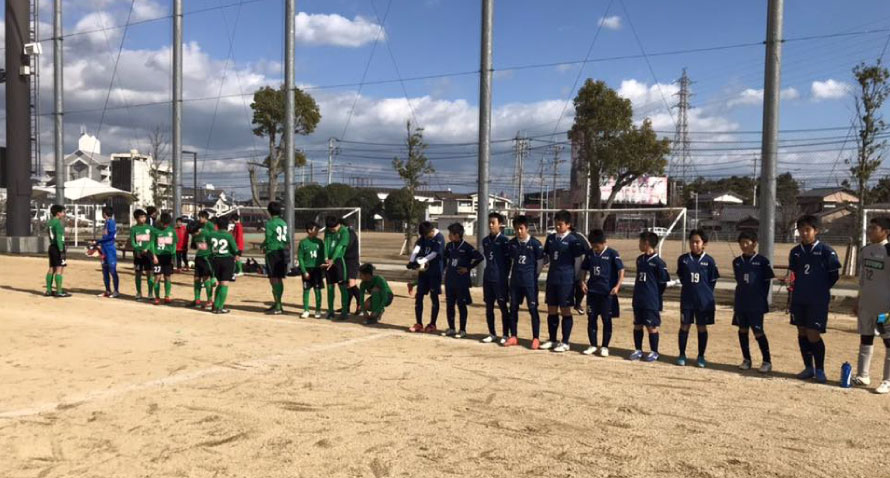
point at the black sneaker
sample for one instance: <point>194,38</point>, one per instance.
<point>372,320</point>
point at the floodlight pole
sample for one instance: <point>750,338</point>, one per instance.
<point>177,108</point>
<point>485,73</point>
<point>290,11</point>
<point>58,96</point>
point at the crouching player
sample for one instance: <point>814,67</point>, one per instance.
<point>224,254</point>
<point>380,295</point>
<point>753,274</point>
<point>165,241</point>
<point>652,278</point>
<point>426,259</point>
<point>605,273</point>
<point>698,274</point>
<point>873,306</point>
<point>527,260</point>
<point>460,259</point>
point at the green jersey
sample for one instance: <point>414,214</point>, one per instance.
<point>222,244</point>
<point>378,283</point>
<point>310,253</point>
<point>276,235</point>
<point>165,241</point>
<point>202,239</point>
<point>57,233</point>
<point>141,236</point>
<point>335,243</point>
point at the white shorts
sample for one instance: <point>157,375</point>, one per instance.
<point>868,325</point>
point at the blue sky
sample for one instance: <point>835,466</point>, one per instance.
<point>338,38</point>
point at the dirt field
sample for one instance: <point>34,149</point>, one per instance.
<point>113,388</point>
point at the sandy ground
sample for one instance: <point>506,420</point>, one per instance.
<point>99,388</point>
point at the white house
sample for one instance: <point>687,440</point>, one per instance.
<point>86,161</point>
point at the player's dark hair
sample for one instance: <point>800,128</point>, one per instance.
<point>311,225</point>
<point>456,228</point>
<point>520,221</point>
<point>204,213</point>
<point>139,213</point>
<point>597,236</point>
<point>366,269</point>
<point>881,221</point>
<point>424,228</point>
<point>222,222</point>
<point>166,218</point>
<point>498,216</point>
<point>700,233</point>
<point>650,237</point>
<point>808,220</point>
<point>193,227</point>
<point>236,217</point>
<point>108,211</point>
<point>563,216</point>
<point>747,235</point>
<point>331,222</point>
<point>151,210</point>
<point>274,208</point>
<point>55,209</point>
<point>180,219</point>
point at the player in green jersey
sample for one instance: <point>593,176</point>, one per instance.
<point>141,239</point>
<point>164,250</point>
<point>310,254</point>
<point>57,262</point>
<point>200,232</point>
<point>224,253</point>
<point>336,240</point>
<point>380,294</point>
<point>275,247</point>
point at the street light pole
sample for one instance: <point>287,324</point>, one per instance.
<point>195,181</point>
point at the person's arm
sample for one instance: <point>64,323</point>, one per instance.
<point>663,276</point>
<point>681,271</point>
<point>59,236</point>
<point>618,265</point>
<point>435,252</point>
<point>414,252</point>
<point>540,259</point>
<point>133,238</point>
<point>834,268</point>
<point>714,275</point>
<point>362,288</point>
<point>768,276</point>
<point>110,231</point>
<point>175,241</point>
<point>341,244</point>
<point>476,259</point>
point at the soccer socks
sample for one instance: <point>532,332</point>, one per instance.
<point>306,294</point>
<point>354,293</point>
<point>887,360</point>
<point>317,298</point>
<point>682,340</point>
<point>591,329</point>
<point>505,317</point>
<point>607,331</point>
<point>862,365</point>
<point>567,322</point>
<point>49,282</point>
<point>764,348</point>
<point>818,350</point>
<point>552,326</point>
<point>345,294</point>
<point>743,343</point>
<point>151,286</point>
<point>330,299</point>
<point>168,288</point>
<point>208,287</point>
<point>59,288</point>
<point>221,293</point>
<point>462,310</point>
<point>278,293</point>
<point>157,289</point>
<point>536,323</point>
<point>138,284</point>
<point>489,318</point>
<point>434,309</point>
<point>702,343</point>
<point>418,309</point>
<point>653,341</point>
<point>449,311</point>
<point>638,339</point>
<point>805,352</point>
<point>198,287</point>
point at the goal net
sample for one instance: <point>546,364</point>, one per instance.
<point>254,219</point>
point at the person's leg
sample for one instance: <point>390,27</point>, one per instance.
<point>702,339</point>
<point>532,300</point>
<point>157,288</point>
<point>330,290</point>
<point>763,343</point>
<point>515,300</point>
<point>50,278</point>
<point>138,279</point>
<point>345,295</point>
<point>318,299</point>
<point>450,302</point>
<point>168,286</point>
<point>817,345</point>
<point>106,277</point>
<point>886,377</point>
<point>866,346</point>
<point>59,274</point>
<point>115,279</point>
<point>307,292</point>
<point>462,310</point>
<point>567,322</point>
<point>222,292</point>
<point>806,352</point>
<point>606,314</point>
<point>506,320</point>
<point>418,308</point>
<point>434,306</point>
<point>552,320</point>
<point>198,286</point>
<point>653,339</point>
<point>638,338</point>
<point>683,336</point>
<point>592,313</point>
<point>488,296</point>
<point>743,343</point>
<point>151,283</point>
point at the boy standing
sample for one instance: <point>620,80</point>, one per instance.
<point>109,254</point>
<point>336,240</point>
<point>698,275</point>
<point>275,247</point>
<point>606,271</point>
<point>527,261</point>
<point>426,258</point>
<point>815,269</point>
<point>201,232</point>
<point>182,246</point>
<point>652,278</point>
<point>57,261</point>
<point>753,274</point>
<point>224,254</point>
<point>874,302</point>
<point>564,251</point>
<point>380,294</point>
<point>165,242</point>
<point>494,279</point>
<point>310,254</point>
<point>460,259</point>
<point>141,237</point>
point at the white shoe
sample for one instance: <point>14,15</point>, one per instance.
<point>861,381</point>
<point>488,339</point>
<point>317,315</point>
<point>503,340</point>
<point>745,365</point>
<point>604,351</point>
<point>305,314</point>
<point>561,347</point>
<point>589,350</point>
<point>460,335</point>
<point>547,345</point>
<point>765,367</point>
<point>884,388</point>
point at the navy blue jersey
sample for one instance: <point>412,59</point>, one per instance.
<point>652,278</point>
<point>497,258</point>
<point>603,268</point>
<point>816,268</point>
<point>752,281</point>
<point>698,275</point>
<point>524,257</point>
<point>429,246</point>
<point>458,255</point>
<point>562,253</point>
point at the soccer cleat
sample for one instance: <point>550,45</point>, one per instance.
<point>745,365</point>
<point>115,295</point>
<point>329,315</point>
<point>488,339</point>
<point>883,388</point>
<point>820,376</point>
<point>317,314</point>
<point>604,351</point>
<point>449,333</point>
<point>430,329</point>
<point>700,362</point>
<point>503,340</point>
<point>806,374</point>
<point>579,311</point>
<point>304,315</point>
<point>461,334</point>
<point>372,320</point>
<point>561,347</point>
<point>765,367</point>
<point>416,328</point>
<point>277,312</point>
<point>156,301</point>
<point>62,294</point>
<point>635,356</point>
<point>512,341</point>
<point>547,345</point>
<point>48,293</point>
<point>681,361</point>
<point>651,357</point>
<point>196,304</point>
<point>861,381</point>
<point>168,300</point>
<point>536,344</point>
<point>590,350</point>
<point>221,311</point>
<point>139,297</point>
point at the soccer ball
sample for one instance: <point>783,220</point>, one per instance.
<point>423,267</point>
<point>93,251</point>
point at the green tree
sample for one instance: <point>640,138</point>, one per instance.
<point>880,193</point>
<point>338,194</point>
<point>304,195</point>
<point>397,207</point>
<point>413,171</point>
<point>787,190</point>
<point>873,90</point>
<point>268,121</point>
<point>370,205</point>
<point>610,145</point>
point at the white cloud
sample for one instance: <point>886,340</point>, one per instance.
<point>752,96</point>
<point>336,30</point>
<point>829,89</point>
<point>643,95</point>
<point>611,23</point>
<point>565,67</point>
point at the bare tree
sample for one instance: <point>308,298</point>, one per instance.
<point>158,148</point>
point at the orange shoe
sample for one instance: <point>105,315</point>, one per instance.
<point>536,344</point>
<point>416,328</point>
<point>157,301</point>
<point>168,300</point>
<point>511,342</point>
<point>430,329</point>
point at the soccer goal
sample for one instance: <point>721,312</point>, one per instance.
<point>254,219</point>
<point>867,215</point>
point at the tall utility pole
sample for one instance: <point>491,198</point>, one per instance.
<point>332,150</point>
<point>290,10</point>
<point>485,73</point>
<point>679,167</point>
<point>771,86</point>
<point>35,93</point>
<point>58,94</point>
<point>18,120</point>
<point>177,108</point>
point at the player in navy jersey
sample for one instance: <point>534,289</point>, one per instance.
<point>605,272</point>
<point>426,258</point>
<point>652,278</point>
<point>494,279</point>
<point>526,262</point>
<point>753,274</point>
<point>460,258</point>
<point>578,297</point>
<point>813,268</point>
<point>564,251</point>
<point>698,274</point>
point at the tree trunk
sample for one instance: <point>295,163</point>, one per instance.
<point>254,189</point>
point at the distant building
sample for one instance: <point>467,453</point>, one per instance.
<point>817,200</point>
<point>137,173</point>
<point>86,161</point>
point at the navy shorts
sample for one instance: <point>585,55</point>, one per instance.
<point>560,295</point>
<point>428,283</point>
<point>648,318</point>
<point>810,316</point>
<point>458,292</point>
<point>748,320</point>
<point>494,291</point>
<point>599,305</point>
<point>518,294</point>
<point>697,317</point>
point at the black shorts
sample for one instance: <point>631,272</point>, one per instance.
<point>202,267</point>
<point>56,257</point>
<point>748,320</point>
<point>143,261</point>
<point>276,264</point>
<point>810,316</point>
<point>223,268</point>
<point>316,279</point>
<point>697,317</point>
<point>352,266</point>
<point>649,318</point>
<point>164,265</point>
<point>336,274</point>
